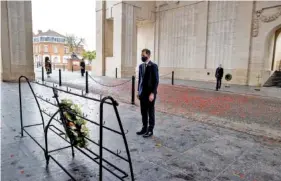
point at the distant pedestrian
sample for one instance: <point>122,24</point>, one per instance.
<point>82,66</point>
<point>219,76</point>
<point>48,66</point>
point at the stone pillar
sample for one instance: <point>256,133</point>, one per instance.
<point>125,39</point>
<point>129,35</point>
<point>16,40</point>
<point>98,65</point>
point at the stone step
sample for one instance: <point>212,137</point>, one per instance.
<point>274,79</point>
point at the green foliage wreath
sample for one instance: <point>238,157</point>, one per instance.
<point>76,129</point>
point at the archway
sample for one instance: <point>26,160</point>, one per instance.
<point>273,51</point>
<point>276,54</point>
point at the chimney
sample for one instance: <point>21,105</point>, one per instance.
<point>39,31</point>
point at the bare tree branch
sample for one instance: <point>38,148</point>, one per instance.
<point>74,42</point>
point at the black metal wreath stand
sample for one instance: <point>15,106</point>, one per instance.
<point>95,157</point>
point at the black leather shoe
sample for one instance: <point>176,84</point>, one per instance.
<point>142,131</point>
<point>148,134</point>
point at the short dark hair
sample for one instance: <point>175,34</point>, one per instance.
<point>47,58</point>
<point>147,51</point>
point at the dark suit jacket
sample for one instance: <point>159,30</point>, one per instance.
<point>149,79</point>
<point>219,73</point>
<point>82,64</point>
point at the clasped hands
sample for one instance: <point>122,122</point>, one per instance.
<point>151,97</point>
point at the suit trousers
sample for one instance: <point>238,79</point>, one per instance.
<point>82,72</point>
<point>147,112</point>
<point>218,83</point>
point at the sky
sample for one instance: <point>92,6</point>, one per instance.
<point>76,17</point>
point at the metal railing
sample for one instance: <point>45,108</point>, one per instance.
<point>96,157</point>
<point>89,78</point>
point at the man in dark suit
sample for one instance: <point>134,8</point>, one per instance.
<point>82,67</point>
<point>147,91</point>
<point>219,76</point>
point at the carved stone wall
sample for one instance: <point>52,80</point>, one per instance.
<point>262,16</point>
<point>221,30</point>
<point>177,35</point>
<point>267,19</point>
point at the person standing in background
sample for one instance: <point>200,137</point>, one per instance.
<point>219,76</point>
<point>48,66</point>
<point>82,66</point>
<point>147,91</point>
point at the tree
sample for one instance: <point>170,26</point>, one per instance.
<point>73,42</point>
<point>89,55</point>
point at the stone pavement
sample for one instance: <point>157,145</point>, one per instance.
<point>247,113</point>
<point>269,92</point>
<point>182,149</point>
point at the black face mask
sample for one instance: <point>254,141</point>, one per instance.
<point>143,59</point>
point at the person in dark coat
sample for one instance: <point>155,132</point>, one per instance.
<point>48,66</point>
<point>219,76</point>
<point>82,66</point>
<point>147,91</point>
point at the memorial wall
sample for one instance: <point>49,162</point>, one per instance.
<point>193,38</point>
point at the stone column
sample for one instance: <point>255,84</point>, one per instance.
<point>98,66</point>
<point>129,40</point>
<point>125,39</point>
<point>16,40</point>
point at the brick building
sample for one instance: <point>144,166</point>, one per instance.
<point>53,45</point>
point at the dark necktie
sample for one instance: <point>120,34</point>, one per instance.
<point>144,68</point>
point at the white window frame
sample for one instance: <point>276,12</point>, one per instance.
<point>66,50</point>
<point>55,49</point>
<point>46,49</point>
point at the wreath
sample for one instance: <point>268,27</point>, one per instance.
<point>75,126</point>
<point>228,77</point>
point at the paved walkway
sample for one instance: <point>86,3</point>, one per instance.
<point>182,149</point>
<point>247,113</point>
<point>270,92</point>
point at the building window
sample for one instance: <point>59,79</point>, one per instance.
<point>55,49</point>
<point>56,60</point>
<point>66,50</point>
<point>64,60</point>
<point>49,39</point>
<point>35,39</point>
<point>46,48</point>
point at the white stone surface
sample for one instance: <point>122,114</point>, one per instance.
<point>193,37</point>
<point>16,40</point>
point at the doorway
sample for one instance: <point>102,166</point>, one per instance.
<point>276,51</point>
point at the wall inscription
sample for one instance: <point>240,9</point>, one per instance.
<point>221,29</point>
<point>177,44</point>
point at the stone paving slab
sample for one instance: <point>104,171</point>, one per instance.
<point>182,149</point>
